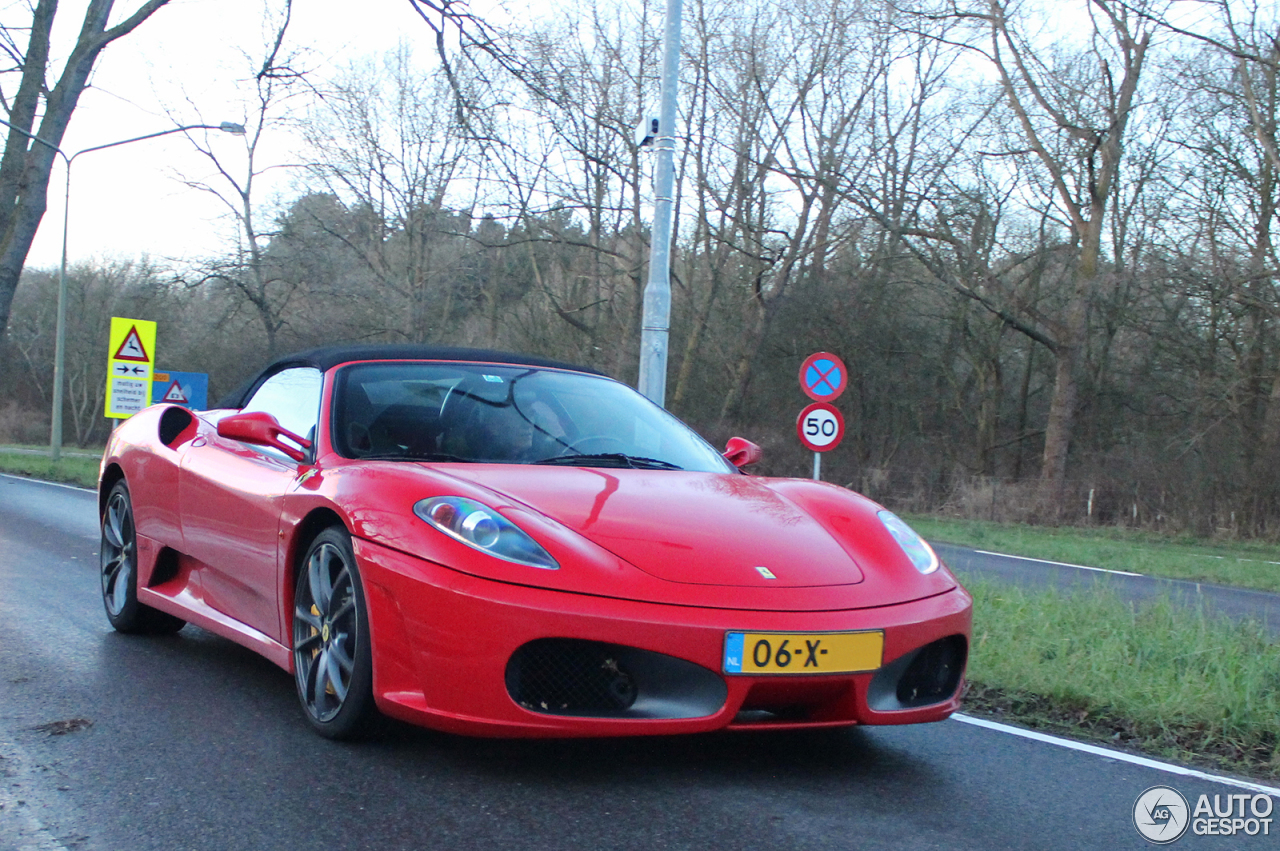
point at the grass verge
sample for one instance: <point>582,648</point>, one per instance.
<point>1243,565</point>
<point>70,470</point>
<point>1159,678</point>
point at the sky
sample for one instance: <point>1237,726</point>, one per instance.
<point>187,64</point>
<point>182,66</point>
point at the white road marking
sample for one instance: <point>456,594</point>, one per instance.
<point>1059,563</point>
<point>1117,755</point>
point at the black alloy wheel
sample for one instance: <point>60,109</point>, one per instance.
<point>118,557</point>
<point>332,661</point>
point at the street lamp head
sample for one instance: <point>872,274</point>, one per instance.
<point>231,127</point>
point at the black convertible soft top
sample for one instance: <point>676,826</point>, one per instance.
<point>327,357</point>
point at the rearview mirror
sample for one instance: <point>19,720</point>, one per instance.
<point>741,452</point>
<point>262,429</point>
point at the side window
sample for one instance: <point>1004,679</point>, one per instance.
<point>292,396</point>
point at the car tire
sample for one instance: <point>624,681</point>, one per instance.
<point>118,563</point>
<point>332,658</point>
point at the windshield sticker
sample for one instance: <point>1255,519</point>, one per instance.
<point>493,379</point>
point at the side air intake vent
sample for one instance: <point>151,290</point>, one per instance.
<point>922,677</point>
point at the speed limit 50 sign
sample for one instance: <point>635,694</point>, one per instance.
<point>820,427</point>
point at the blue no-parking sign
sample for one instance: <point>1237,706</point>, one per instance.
<point>823,377</point>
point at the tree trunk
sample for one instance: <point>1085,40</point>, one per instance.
<point>1061,421</point>
<point>1058,429</point>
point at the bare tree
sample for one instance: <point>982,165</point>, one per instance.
<point>276,83</point>
<point>26,163</point>
<point>386,141</point>
<point>794,94</point>
<point>1227,192</point>
<point>1072,110</point>
<point>589,107</point>
<point>1249,33</point>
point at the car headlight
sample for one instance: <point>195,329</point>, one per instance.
<point>484,529</point>
<point>920,553</point>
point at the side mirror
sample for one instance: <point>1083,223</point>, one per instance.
<point>741,452</point>
<point>262,429</point>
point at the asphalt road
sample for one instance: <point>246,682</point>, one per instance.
<point>1239,603</point>
<point>116,743</point>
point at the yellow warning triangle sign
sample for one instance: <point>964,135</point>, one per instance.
<point>131,348</point>
<point>174,393</point>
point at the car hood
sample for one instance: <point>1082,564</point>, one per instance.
<point>683,538</point>
<point>696,528</point>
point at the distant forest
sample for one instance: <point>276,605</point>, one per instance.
<point>1042,242</point>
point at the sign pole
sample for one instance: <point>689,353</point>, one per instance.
<point>817,466</point>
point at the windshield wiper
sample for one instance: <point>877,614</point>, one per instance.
<point>614,459</point>
<point>415,456</point>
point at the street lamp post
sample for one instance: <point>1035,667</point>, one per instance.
<point>60,328</point>
<point>656,319</point>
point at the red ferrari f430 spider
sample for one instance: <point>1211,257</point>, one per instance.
<point>503,545</point>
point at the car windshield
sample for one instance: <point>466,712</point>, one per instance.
<point>432,411</point>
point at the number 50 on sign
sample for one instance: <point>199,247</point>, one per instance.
<point>820,427</point>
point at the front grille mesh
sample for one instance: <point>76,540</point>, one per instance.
<point>564,676</point>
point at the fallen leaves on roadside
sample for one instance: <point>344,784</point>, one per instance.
<point>61,728</point>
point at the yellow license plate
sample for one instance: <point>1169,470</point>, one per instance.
<point>802,652</point>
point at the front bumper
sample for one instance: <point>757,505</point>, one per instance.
<point>444,642</point>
